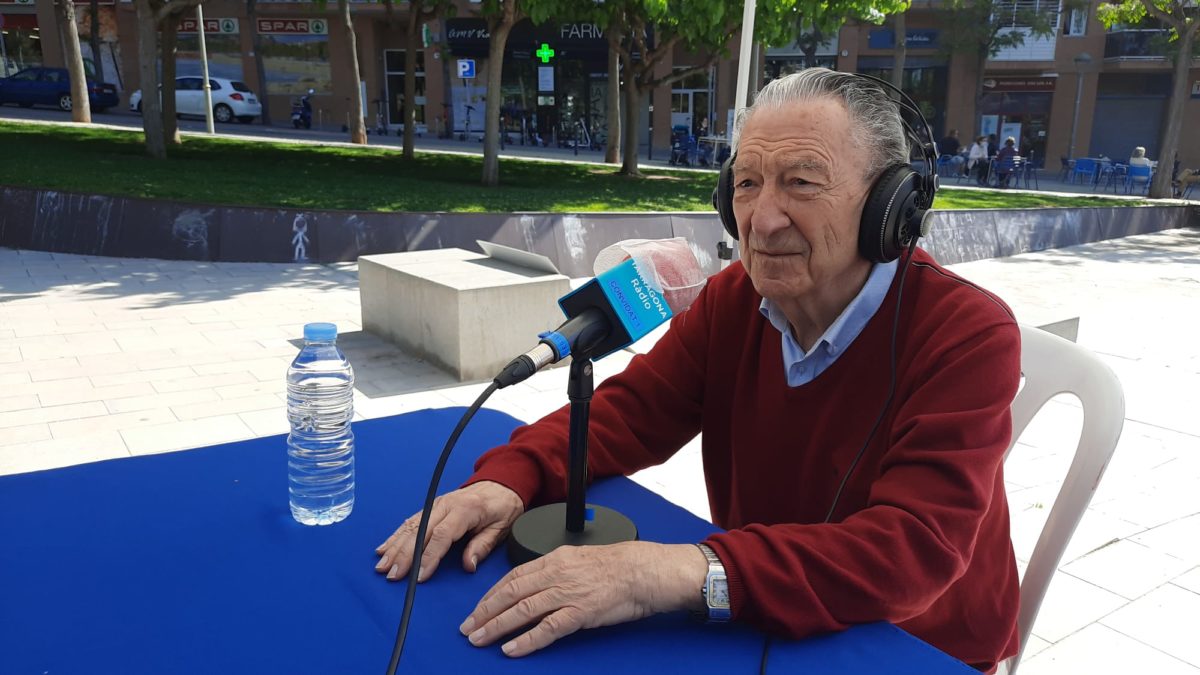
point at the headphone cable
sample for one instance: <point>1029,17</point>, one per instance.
<point>419,547</point>
<point>912,247</point>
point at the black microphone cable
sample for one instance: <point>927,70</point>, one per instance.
<point>912,248</point>
<point>419,548</point>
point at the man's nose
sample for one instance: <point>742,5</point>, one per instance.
<point>769,213</point>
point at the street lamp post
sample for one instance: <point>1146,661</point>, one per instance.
<point>1082,61</point>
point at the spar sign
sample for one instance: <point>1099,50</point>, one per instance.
<point>212,26</point>
<point>293,27</point>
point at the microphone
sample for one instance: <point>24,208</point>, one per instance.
<point>639,285</point>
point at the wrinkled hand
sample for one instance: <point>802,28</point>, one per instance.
<point>576,587</point>
<point>485,509</point>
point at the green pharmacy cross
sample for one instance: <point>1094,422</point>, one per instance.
<point>545,53</point>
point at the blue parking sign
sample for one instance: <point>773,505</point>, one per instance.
<point>466,68</point>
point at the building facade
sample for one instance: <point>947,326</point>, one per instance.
<point>1084,91</point>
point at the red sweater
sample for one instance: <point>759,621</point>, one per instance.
<point>920,537</point>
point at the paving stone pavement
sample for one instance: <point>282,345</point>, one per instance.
<point>104,358</point>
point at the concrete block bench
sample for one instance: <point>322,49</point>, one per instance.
<point>464,311</point>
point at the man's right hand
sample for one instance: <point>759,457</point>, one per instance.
<point>485,510</point>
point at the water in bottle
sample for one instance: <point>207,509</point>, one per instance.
<point>320,386</point>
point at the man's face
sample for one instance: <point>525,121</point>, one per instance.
<point>799,188</point>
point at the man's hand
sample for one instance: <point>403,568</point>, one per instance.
<point>576,587</point>
<point>485,509</point>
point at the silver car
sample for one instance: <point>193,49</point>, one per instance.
<point>230,99</point>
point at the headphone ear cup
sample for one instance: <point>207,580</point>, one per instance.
<point>723,198</point>
<point>884,231</point>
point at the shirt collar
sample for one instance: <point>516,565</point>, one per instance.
<point>850,322</point>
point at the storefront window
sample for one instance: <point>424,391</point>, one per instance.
<point>690,107</point>
<point>22,43</point>
<point>780,66</point>
<point>395,63</point>
<point>1023,115</point>
<point>223,43</point>
<point>296,55</point>
<point>925,82</point>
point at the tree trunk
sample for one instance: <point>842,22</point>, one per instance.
<point>629,164</point>
<point>901,46</point>
<point>411,35</point>
<point>148,74</point>
<point>252,16</point>
<point>491,118</point>
<point>170,34</point>
<point>612,145</point>
<point>1160,185</point>
<point>80,109</point>
<point>97,59</point>
<point>976,119</point>
<point>358,129</point>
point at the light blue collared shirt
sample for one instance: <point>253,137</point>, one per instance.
<point>801,368</point>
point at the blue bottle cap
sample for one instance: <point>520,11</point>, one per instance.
<point>320,332</point>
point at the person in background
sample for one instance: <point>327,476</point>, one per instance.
<point>950,146</point>
<point>1139,158</point>
<point>781,364</point>
<point>1007,154</point>
<point>977,160</point>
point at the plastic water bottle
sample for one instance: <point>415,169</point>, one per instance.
<point>320,385</point>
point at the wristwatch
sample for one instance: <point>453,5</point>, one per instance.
<point>716,587</point>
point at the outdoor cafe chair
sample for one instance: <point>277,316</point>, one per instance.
<point>1084,166</point>
<point>1006,169</point>
<point>1138,175</point>
<point>1117,176</point>
<point>1052,366</point>
<point>1029,170</point>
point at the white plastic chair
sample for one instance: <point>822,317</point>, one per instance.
<point>1052,366</point>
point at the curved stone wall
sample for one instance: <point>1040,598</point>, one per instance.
<point>65,222</point>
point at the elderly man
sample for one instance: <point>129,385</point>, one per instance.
<point>784,363</point>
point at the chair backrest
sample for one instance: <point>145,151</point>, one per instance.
<point>1085,165</point>
<point>1136,172</point>
<point>1052,366</point>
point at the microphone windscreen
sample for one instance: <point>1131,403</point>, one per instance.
<point>667,264</point>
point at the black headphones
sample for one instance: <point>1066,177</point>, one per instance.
<point>894,212</point>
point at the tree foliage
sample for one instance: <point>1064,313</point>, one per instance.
<point>1182,20</point>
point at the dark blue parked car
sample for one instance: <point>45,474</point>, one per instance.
<point>52,86</point>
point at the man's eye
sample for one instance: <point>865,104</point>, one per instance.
<point>744,183</point>
<point>799,181</point>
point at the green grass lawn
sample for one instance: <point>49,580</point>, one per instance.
<point>255,173</point>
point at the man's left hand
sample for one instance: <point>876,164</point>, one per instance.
<point>576,587</point>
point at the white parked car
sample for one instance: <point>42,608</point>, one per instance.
<point>230,99</point>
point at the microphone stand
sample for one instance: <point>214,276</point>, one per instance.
<point>573,523</point>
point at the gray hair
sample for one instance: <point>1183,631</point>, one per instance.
<point>1139,151</point>
<point>875,120</point>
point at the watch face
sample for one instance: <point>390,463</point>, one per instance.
<point>718,591</point>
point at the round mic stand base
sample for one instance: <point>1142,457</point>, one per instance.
<point>541,530</point>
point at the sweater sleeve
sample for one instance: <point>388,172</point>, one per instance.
<point>638,418</point>
<point>892,559</point>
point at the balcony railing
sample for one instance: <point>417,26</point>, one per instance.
<point>1136,45</point>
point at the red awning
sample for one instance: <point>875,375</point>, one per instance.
<point>20,21</point>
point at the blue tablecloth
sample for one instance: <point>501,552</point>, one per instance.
<point>191,563</point>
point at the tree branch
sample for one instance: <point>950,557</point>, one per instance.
<point>174,8</point>
<point>1157,13</point>
<point>661,51</point>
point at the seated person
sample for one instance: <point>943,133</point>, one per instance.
<point>977,160</point>
<point>1005,161</point>
<point>1139,158</point>
<point>950,146</point>
<point>840,503</point>
<point>1186,178</point>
